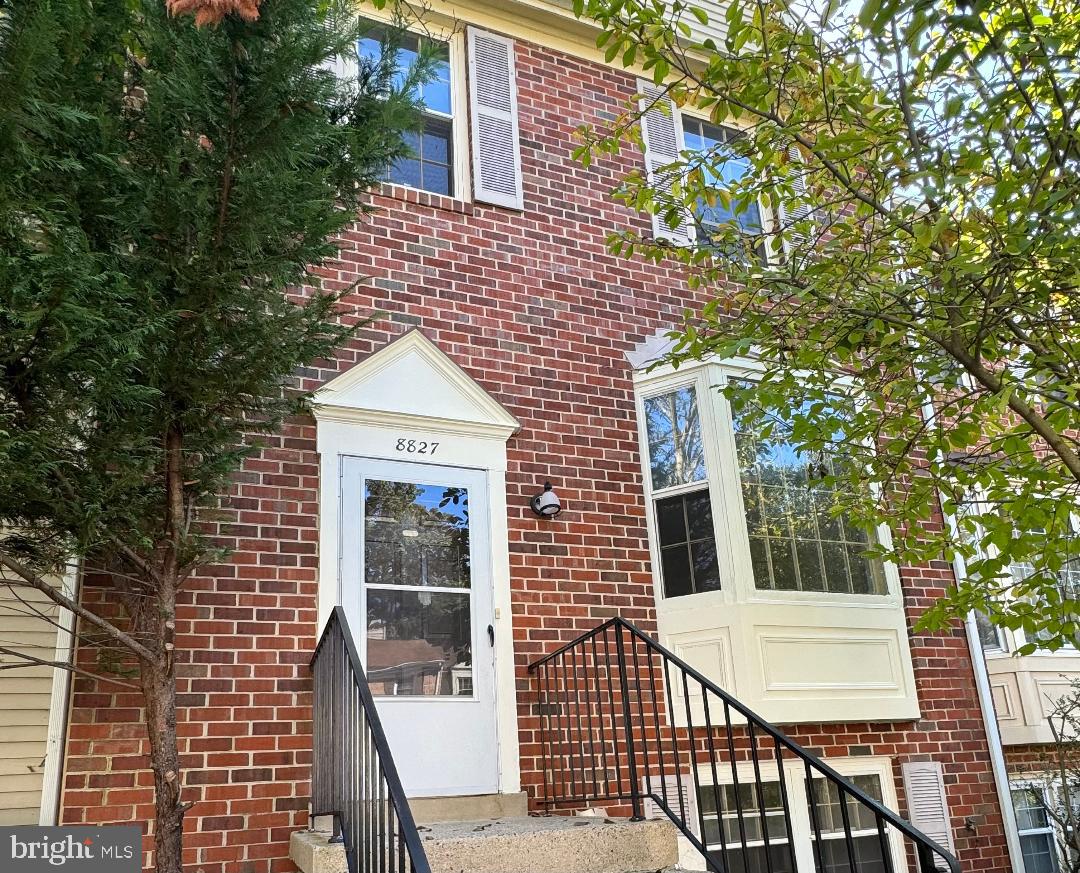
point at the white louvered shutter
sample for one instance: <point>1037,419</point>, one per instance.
<point>668,788</point>
<point>793,212</point>
<point>496,154</point>
<point>928,809</point>
<point>661,130</point>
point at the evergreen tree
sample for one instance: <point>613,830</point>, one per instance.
<point>166,191</point>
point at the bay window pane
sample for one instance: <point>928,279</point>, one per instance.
<point>673,428</point>
<point>796,542</point>
<point>684,527</point>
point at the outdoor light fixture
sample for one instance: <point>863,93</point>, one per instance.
<point>546,504</point>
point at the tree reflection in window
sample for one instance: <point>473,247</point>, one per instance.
<point>673,426</point>
<point>798,541</point>
<point>417,576</point>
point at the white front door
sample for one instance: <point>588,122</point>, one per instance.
<point>416,585</point>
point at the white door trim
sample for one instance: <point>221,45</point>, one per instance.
<point>471,429</point>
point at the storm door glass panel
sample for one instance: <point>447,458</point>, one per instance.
<point>865,839</point>
<point>797,541</point>
<point>417,580</point>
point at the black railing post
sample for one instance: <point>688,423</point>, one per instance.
<point>927,861</point>
<point>354,778</point>
<point>631,756</point>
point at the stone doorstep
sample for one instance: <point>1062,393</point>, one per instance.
<point>469,807</point>
<point>555,844</point>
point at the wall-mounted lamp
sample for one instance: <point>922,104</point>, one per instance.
<point>546,504</point>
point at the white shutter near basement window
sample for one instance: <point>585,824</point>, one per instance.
<point>680,803</point>
<point>790,213</point>
<point>928,809</point>
<point>661,131</point>
<point>496,154</point>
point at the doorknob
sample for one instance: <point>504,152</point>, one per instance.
<point>491,634</point>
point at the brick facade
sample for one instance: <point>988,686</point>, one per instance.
<point>534,308</point>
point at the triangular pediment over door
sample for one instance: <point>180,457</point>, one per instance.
<point>409,379</point>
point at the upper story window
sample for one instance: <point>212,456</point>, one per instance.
<point>431,165</point>
<point>797,542</point>
<point>702,452</point>
<point>703,138</point>
<point>997,640</point>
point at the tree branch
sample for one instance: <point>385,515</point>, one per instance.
<point>31,579</point>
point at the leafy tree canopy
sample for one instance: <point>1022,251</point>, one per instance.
<point>912,290</point>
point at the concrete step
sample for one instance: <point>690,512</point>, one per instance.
<point>538,844</point>
<point>472,807</point>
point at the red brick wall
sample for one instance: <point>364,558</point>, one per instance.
<point>1031,759</point>
<point>533,307</point>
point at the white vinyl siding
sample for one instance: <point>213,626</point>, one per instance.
<point>496,149</point>
<point>25,704</point>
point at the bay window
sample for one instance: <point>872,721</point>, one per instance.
<point>796,539</point>
<point>759,583</point>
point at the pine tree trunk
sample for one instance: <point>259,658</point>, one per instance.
<point>158,680</point>
<point>159,692</point>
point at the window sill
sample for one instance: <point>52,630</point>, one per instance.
<point>419,197</point>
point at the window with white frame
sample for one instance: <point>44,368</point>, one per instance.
<point>723,166</point>
<point>738,820</point>
<point>865,839</point>
<point>430,166</point>
<point>990,635</point>
<point>1037,836</point>
<point>796,539</point>
<point>683,509</point>
<point>1068,582</point>
<point>798,542</point>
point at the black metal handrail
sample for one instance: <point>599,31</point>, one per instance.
<point>609,731</point>
<point>353,776</point>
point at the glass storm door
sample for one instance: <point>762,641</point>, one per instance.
<point>416,583</point>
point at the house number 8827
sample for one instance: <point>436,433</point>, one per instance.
<point>416,447</point>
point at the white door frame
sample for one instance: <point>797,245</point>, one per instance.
<point>410,390</point>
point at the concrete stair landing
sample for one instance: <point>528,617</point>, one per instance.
<point>521,844</point>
